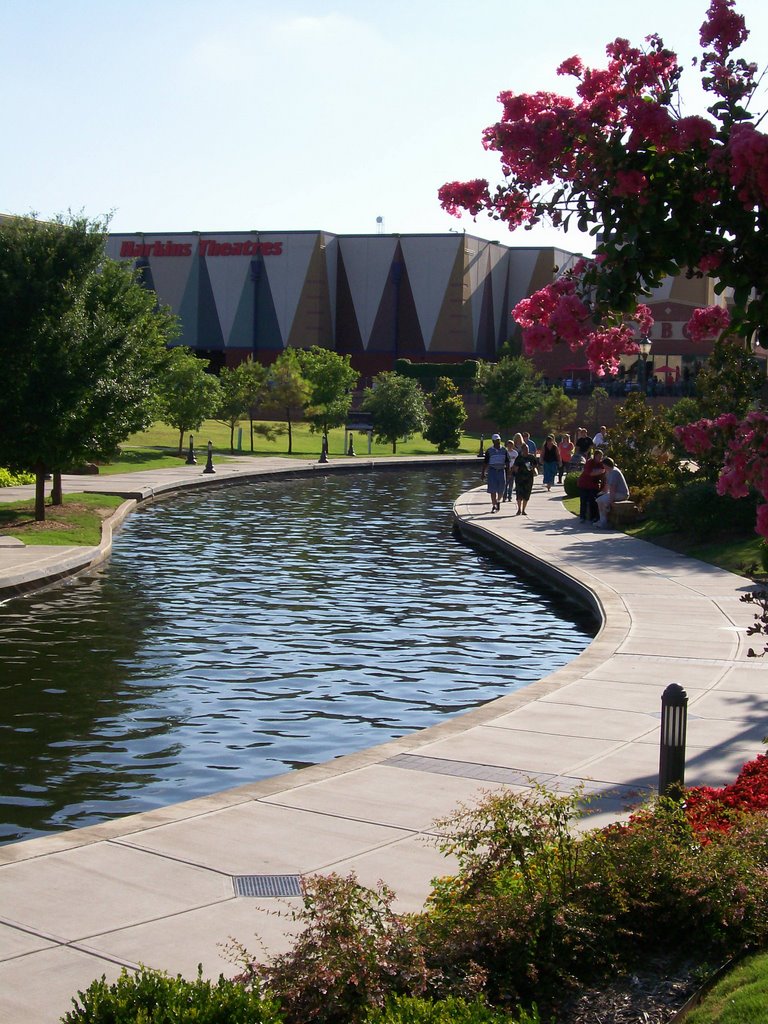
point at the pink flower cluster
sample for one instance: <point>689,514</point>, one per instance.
<point>745,466</point>
<point>708,323</point>
<point>748,150</point>
<point>724,30</point>
<point>557,313</point>
<point>472,196</point>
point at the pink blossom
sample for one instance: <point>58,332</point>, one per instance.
<point>644,318</point>
<point>568,318</point>
<point>748,149</point>
<point>572,66</point>
<point>538,339</point>
<point>693,131</point>
<point>456,196</point>
<point>723,29</point>
<point>630,183</point>
<point>711,262</point>
<point>696,437</point>
<point>708,323</point>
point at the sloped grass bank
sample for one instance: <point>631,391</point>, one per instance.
<point>76,522</point>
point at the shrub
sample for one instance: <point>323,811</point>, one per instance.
<point>510,925</point>
<point>8,479</point>
<point>571,485</point>
<point>698,509</point>
<point>656,501</point>
<point>665,884</point>
<point>408,1010</point>
<point>353,954</point>
<point>153,997</point>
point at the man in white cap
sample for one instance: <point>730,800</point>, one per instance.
<point>495,463</point>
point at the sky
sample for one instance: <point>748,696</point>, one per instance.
<point>295,115</point>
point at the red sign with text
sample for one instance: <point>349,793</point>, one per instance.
<point>206,247</point>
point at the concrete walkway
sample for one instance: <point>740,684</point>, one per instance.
<point>166,888</point>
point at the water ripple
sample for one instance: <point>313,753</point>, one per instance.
<point>240,632</point>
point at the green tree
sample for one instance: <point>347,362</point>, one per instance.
<point>510,391</point>
<point>80,346</point>
<point>120,351</point>
<point>331,381</point>
<point>731,380</point>
<point>231,405</point>
<point>597,400</point>
<point>643,445</point>
<point>253,376</point>
<point>286,390</point>
<point>446,417</point>
<point>188,394</point>
<point>397,405</point>
<point>558,411</point>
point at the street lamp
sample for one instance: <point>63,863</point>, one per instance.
<point>645,350</point>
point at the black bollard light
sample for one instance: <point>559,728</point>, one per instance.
<point>191,460</point>
<point>324,450</point>
<point>209,464</point>
<point>351,445</point>
<point>674,722</point>
<point>481,453</point>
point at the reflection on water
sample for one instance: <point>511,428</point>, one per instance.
<point>241,631</point>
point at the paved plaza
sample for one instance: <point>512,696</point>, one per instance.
<point>170,888</point>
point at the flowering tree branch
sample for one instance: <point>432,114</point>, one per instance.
<point>667,194</point>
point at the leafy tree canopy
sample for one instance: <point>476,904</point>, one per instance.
<point>331,381</point>
<point>397,405</point>
<point>446,417</point>
<point>81,343</point>
<point>188,393</point>
<point>510,391</point>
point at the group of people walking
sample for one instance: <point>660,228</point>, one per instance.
<point>512,468</point>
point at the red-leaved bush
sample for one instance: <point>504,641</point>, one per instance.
<point>712,810</point>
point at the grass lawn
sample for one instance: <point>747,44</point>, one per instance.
<point>741,997</point>
<point>306,445</point>
<point>78,521</point>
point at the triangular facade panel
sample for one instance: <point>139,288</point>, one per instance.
<point>209,333</point>
<point>287,273</point>
<point>476,253</point>
<point>498,269</point>
<point>312,323</point>
<point>430,260</point>
<point>452,331</point>
<point>230,277</point>
<point>367,263</point>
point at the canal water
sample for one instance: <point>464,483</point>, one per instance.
<point>239,632</point>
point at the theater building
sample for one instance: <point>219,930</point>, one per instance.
<point>431,297</point>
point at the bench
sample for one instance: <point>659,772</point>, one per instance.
<point>623,512</point>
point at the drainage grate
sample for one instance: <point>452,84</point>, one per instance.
<point>267,885</point>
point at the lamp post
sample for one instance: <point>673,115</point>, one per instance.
<point>645,350</point>
<point>674,723</point>
<point>209,464</point>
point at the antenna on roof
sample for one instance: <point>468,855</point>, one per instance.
<point>380,225</point>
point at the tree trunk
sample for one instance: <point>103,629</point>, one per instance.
<point>232,440</point>
<point>57,494</point>
<point>181,441</point>
<point>394,447</point>
<point>290,432</point>
<point>250,419</point>
<point>39,493</point>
